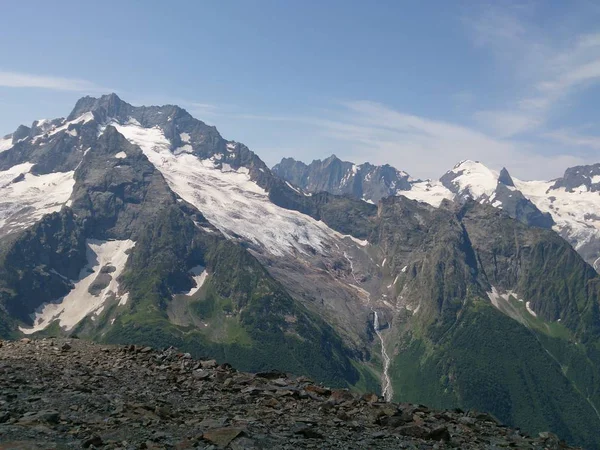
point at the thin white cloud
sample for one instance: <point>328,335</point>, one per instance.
<point>203,109</point>
<point>362,131</point>
<point>28,80</point>
<point>232,112</point>
<point>573,138</point>
<point>507,123</point>
<point>546,68</point>
<point>427,148</point>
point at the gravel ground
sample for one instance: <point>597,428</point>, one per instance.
<point>66,394</point>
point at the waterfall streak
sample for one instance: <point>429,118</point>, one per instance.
<point>386,385</point>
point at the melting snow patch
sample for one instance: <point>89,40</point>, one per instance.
<point>123,300</point>
<point>42,123</point>
<point>185,138</point>
<point>502,303</point>
<point>121,155</point>
<point>132,121</point>
<point>529,310</point>
<point>79,302</point>
<point>292,187</point>
<point>361,242</point>
<point>404,269</point>
<point>5,144</point>
<point>187,148</point>
<point>84,118</point>
<point>431,192</point>
<point>25,198</point>
<point>199,275</point>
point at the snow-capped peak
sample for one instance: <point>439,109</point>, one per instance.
<point>230,199</point>
<point>471,179</point>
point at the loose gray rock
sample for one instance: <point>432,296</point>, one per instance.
<point>93,396</point>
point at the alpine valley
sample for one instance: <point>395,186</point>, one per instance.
<point>142,225</point>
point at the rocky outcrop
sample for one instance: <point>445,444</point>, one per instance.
<point>38,265</point>
<point>586,178</point>
<point>74,394</point>
<point>364,181</point>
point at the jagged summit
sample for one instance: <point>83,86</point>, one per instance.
<point>111,104</point>
<point>364,181</point>
<point>331,159</point>
<point>466,163</point>
<point>580,179</point>
<point>505,178</point>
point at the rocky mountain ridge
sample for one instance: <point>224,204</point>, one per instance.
<point>364,181</point>
<point>566,204</point>
<point>143,225</point>
<point>61,394</point>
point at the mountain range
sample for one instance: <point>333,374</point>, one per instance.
<point>567,204</point>
<point>143,225</point>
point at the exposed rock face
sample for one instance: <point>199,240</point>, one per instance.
<point>364,181</point>
<point>38,266</point>
<point>578,178</point>
<point>73,394</point>
<point>118,196</point>
<point>505,178</point>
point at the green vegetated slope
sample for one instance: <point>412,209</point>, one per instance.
<point>490,362</point>
<point>451,348</point>
<point>538,373</point>
<point>241,316</point>
<point>259,325</point>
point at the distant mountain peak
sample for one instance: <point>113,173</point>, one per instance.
<point>331,159</point>
<point>110,105</point>
<point>469,164</point>
<point>364,181</point>
<point>505,178</point>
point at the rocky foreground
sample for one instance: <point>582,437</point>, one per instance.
<point>64,394</point>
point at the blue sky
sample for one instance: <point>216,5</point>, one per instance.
<point>419,85</point>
